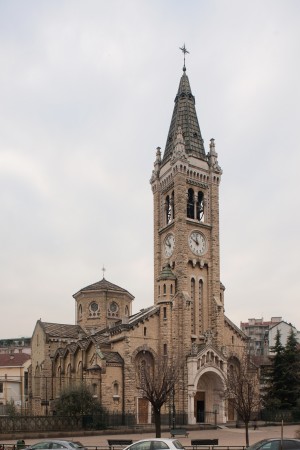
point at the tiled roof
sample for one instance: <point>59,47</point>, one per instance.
<point>143,314</point>
<point>59,330</point>
<point>13,359</point>
<point>185,116</point>
<point>112,357</point>
<point>103,285</point>
<point>237,329</point>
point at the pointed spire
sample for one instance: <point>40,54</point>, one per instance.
<point>185,116</point>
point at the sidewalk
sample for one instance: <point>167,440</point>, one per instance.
<point>226,436</point>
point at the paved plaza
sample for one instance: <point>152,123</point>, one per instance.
<point>226,436</point>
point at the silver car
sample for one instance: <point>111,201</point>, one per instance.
<point>156,444</point>
<point>55,443</point>
<point>276,444</point>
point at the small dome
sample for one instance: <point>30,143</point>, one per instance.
<point>166,273</point>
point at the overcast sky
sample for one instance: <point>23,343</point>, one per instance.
<point>87,91</point>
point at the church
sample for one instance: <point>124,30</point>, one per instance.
<point>108,343</point>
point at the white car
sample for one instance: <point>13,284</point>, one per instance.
<point>56,444</point>
<point>156,444</point>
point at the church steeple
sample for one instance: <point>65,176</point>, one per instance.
<point>184,116</point>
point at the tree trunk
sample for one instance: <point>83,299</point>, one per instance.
<point>247,433</point>
<point>157,421</point>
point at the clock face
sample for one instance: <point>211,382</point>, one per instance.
<point>197,243</point>
<point>169,245</point>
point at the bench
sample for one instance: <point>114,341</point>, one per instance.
<point>179,432</point>
<point>123,442</point>
<point>205,442</point>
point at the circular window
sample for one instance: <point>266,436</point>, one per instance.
<point>113,307</point>
<point>94,306</point>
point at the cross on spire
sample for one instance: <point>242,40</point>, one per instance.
<point>103,270</point>
<point>184,51</point>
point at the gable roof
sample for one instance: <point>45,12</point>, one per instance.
<point>60,330</point>
<point>13,359</point>
<point>235,328</point>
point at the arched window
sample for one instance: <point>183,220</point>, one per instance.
<point>79,375</point>
<point>165,350</point>
<point>165,289</point>
<point>69,375</point>
<point>37,382</point>
<point>200,306</point>
<point>200,207</point>
<point>168,209</point>
<point>126,311</point>
<point>80,311</point>
<point>190,204</point>
<point>193,305</point>
<point>94,389</point>
<point>172,205</point>
<point>116,388</point>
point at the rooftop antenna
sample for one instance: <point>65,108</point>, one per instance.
<point>184,51</point>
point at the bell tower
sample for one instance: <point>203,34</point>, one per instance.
<point>185,185</point>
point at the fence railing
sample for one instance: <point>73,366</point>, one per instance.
<point>11,424</point>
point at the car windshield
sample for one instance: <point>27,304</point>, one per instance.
<point>76,444</point>
<point>178,444</point>
<point>257,445</point>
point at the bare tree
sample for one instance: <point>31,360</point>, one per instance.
<point>242,390</point>
<point>156,382</point>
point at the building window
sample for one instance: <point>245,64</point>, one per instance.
<point>200,306</point>
<point>165,313</point>
<point>80,312</point>
<point>193,305</point>
<point>190,204</point>
<point>116,388</point>
<point>200,207</point>
<point>165,289</point>
<point>145,331</point>
<point>168,210</point>
<point>94,389</point>
<point>94,310</point>
<point>169,205</point>
<point>113,309</point>
<point>165,350</point>
<point>1,387</point>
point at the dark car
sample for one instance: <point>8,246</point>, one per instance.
<point>276,444</point>
<point>55,444</point>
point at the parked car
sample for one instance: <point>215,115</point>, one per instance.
<point>276,444</point>
<point>55,444</point>
<point>156,444</point>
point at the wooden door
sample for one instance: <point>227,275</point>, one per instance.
<point>143,405</point>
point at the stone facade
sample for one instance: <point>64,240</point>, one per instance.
<point>107,345</point>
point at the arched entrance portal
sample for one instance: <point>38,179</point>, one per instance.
<point>207,404</point>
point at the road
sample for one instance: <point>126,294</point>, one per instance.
<point>226,436</point>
